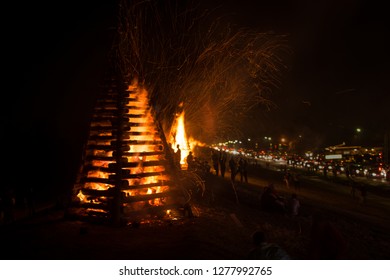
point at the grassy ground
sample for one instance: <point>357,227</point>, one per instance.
<point>225,218</point>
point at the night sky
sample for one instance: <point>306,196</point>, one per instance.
<point>56,54</point>
<point>338,70</point>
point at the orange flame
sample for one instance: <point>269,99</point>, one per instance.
<point>180,137</point>
<point>145,145</point>
<point>179,134</point>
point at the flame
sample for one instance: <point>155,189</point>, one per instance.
<point>180,137</point>
<point>81,196</point>
<point>97,186</point>
<point>146,140</point>
<point>98,174</point>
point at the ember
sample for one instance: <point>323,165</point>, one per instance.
<point>127,168</point>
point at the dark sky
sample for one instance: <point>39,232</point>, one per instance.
<point>56,53</point>
<point>338,71</point>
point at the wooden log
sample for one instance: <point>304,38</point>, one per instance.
<point>101,128</point>
<point>107,128</point>
<point>102,158</point>
<point>102,206</point>
<point>141,175</point>
<point>123,121</point>
<point>147,197</point>
<point>107,148</point>
<point>113,166</point>
<point>135,116</point>
<point>109,181</point>
<point>101,137</point>
<point>90,167</point>
<point>106,117</point>
<point>106,100</point>
<point>98,193</point>
<point>100,147</point>
<point>106,107</point>
<point>143,124</point>
<point>112,111</point>
<point>138,133</point>
<point>132,154</point>
<point>132,107</point>
<point>110,122</point>
<point>103,216</point>
<point>151,185</point>
<point>138,142</point>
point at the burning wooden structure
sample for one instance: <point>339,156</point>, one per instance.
<point>127,173</point>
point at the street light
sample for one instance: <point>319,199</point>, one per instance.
<point>357,136</point>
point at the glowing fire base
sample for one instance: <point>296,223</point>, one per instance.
<point>127,172</point>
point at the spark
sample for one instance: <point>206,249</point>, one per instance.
<point>183,55</point>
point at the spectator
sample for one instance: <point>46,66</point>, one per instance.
<point>271,201</point>
<point>178,156</point>
<point>233,168</point>
<point>263,250</point>
<point>287,179</point>
<point>244,170</point>
<point>190,161</point>
<point>215,160</point>
<point>222,163</point>
<point>296,181</point>
<point>327,242</point>
<point>294,205</point>
<point>240,169</point>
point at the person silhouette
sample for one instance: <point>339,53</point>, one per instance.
<point>190,161</point>
<point>233,168</point>
<point>264,250</point>
<point>178,155</point>
<point>326,242</point>
<point>222,163</point>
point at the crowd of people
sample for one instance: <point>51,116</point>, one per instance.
<point>236,165</point>
<point>326,240</point>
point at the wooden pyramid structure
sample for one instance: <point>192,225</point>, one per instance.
<point>127,173</point>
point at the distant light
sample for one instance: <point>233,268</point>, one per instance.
<point>249,139</point>
<point>334,156</point>
<point>358,130</point>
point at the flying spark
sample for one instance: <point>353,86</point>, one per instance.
<point>182,55</point>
